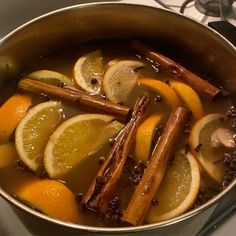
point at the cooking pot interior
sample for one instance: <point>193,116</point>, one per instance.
<point>190,43</point>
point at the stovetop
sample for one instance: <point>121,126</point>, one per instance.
<point>14,13</point>
<point>190,10</point>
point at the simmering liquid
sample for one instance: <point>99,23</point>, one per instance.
<point>79,179</point>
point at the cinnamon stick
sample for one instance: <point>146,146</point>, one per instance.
<point>140,201</point>
<point>178,71</point>
<point>103,187</point>
<point>75,96</point>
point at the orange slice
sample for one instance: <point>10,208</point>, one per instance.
<point>34,131</point>
<point>50,197</point>
<point>200,142</point>
<point>189,97</point>
<point>120,79</point>
<point>88,72</point>
<point>178,190</point>
<point>51,77</point>
<point>163,89</point>
<point>144,136</point>
<point>11,113</point>
<point>76,139</point>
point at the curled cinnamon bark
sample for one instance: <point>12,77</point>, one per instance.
<point>103,187</point>
<point>178,71</point>
<point>75,96</point>
<point>153,174</point>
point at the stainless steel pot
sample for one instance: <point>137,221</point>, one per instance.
<point>76,24</point>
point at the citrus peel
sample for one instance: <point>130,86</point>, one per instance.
<point>178,190</point>
<point>11,113</point>
<point>34,131</point>
<point>189,97</point>
<point>162,89</point>
<point>50,197</point>
<point>144,136</point>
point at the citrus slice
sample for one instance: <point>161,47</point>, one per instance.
<point>120,79</point>
<point>163,89</point>
<point>51,198</point>
<point>178,190</point>
<point>11,113</point>
<point>34,131</point>
<point>189,96</point>
<point>200,142</point>
<point>88,71</point>
<point>144,136</point>
<point>76,139</point>
<point>51,77</point>
<point>8,154</point>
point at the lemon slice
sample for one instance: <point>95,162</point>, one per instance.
<point>178,190</point>
<point>50,197</point>
<point>88,71</point>
<point>120,79</point>
<point>51,77</point>
<point>200,142</point>
<point>189,96</point>
<point>163,89</point>
<point>76,139</point>
<point>34,131</point>
<point>144,136</point>
<point>11,113</point>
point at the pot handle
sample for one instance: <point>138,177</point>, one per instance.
<point>226,29</point>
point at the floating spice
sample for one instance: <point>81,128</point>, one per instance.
<point>74,96</point>
<point>198,147</point>
<point>98,196</point>
<point>101,160</point>
<point>114,213</point>
<point>94,81</point>
<point>141,200</point>
<point>155,201</point>
<point>79,197</point>
<point>197,83</point>
<point>158,99</point>
<point>187,148</point>
<point>230,168</point>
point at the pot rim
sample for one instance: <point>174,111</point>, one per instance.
<point>128,229</point>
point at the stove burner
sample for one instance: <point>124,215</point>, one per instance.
<point>213,7</point>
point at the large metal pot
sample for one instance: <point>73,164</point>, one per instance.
<point>213,54</point>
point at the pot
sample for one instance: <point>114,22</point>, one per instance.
<point>213,54</point>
